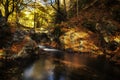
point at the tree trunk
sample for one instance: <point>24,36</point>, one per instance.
<point>65,9</point>
<point>77,8</point>
<point>6,17</point>
<point>1,14</point>
<point>6,10</point>
<point>58,5</point>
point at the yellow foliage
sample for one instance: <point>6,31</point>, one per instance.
<point>79,41</point>
<point>2,52</point>
<point>117,39</point>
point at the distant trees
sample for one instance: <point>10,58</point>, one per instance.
<point>61,8</point>
<point>61,14</point>
<point>9,6</point>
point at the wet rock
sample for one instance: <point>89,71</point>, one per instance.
<point>24,48</point>
<point>19,35</point>
<point>40,37</point>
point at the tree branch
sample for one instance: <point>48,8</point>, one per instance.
<point>56,9</point>
<point>86,7</point>
<point>13,7</point>
<point>2,2</point>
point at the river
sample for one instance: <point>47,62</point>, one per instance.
<point>58,65</point>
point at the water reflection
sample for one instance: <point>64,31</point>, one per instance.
<point>55,67</point>
<point>40,70</point>
<point>64,66</point>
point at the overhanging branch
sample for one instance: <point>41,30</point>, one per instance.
<point>56,9</point>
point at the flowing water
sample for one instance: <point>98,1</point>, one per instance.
<point>57,65</point>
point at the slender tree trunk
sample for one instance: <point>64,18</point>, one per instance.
<point>77,8</point>
<point>6,10</point>
<point>65,9</point>
<point>1,14</point>
<point>58,4</point>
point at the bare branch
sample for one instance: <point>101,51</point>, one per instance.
<point>56,9</point>
<point>86,7</point>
